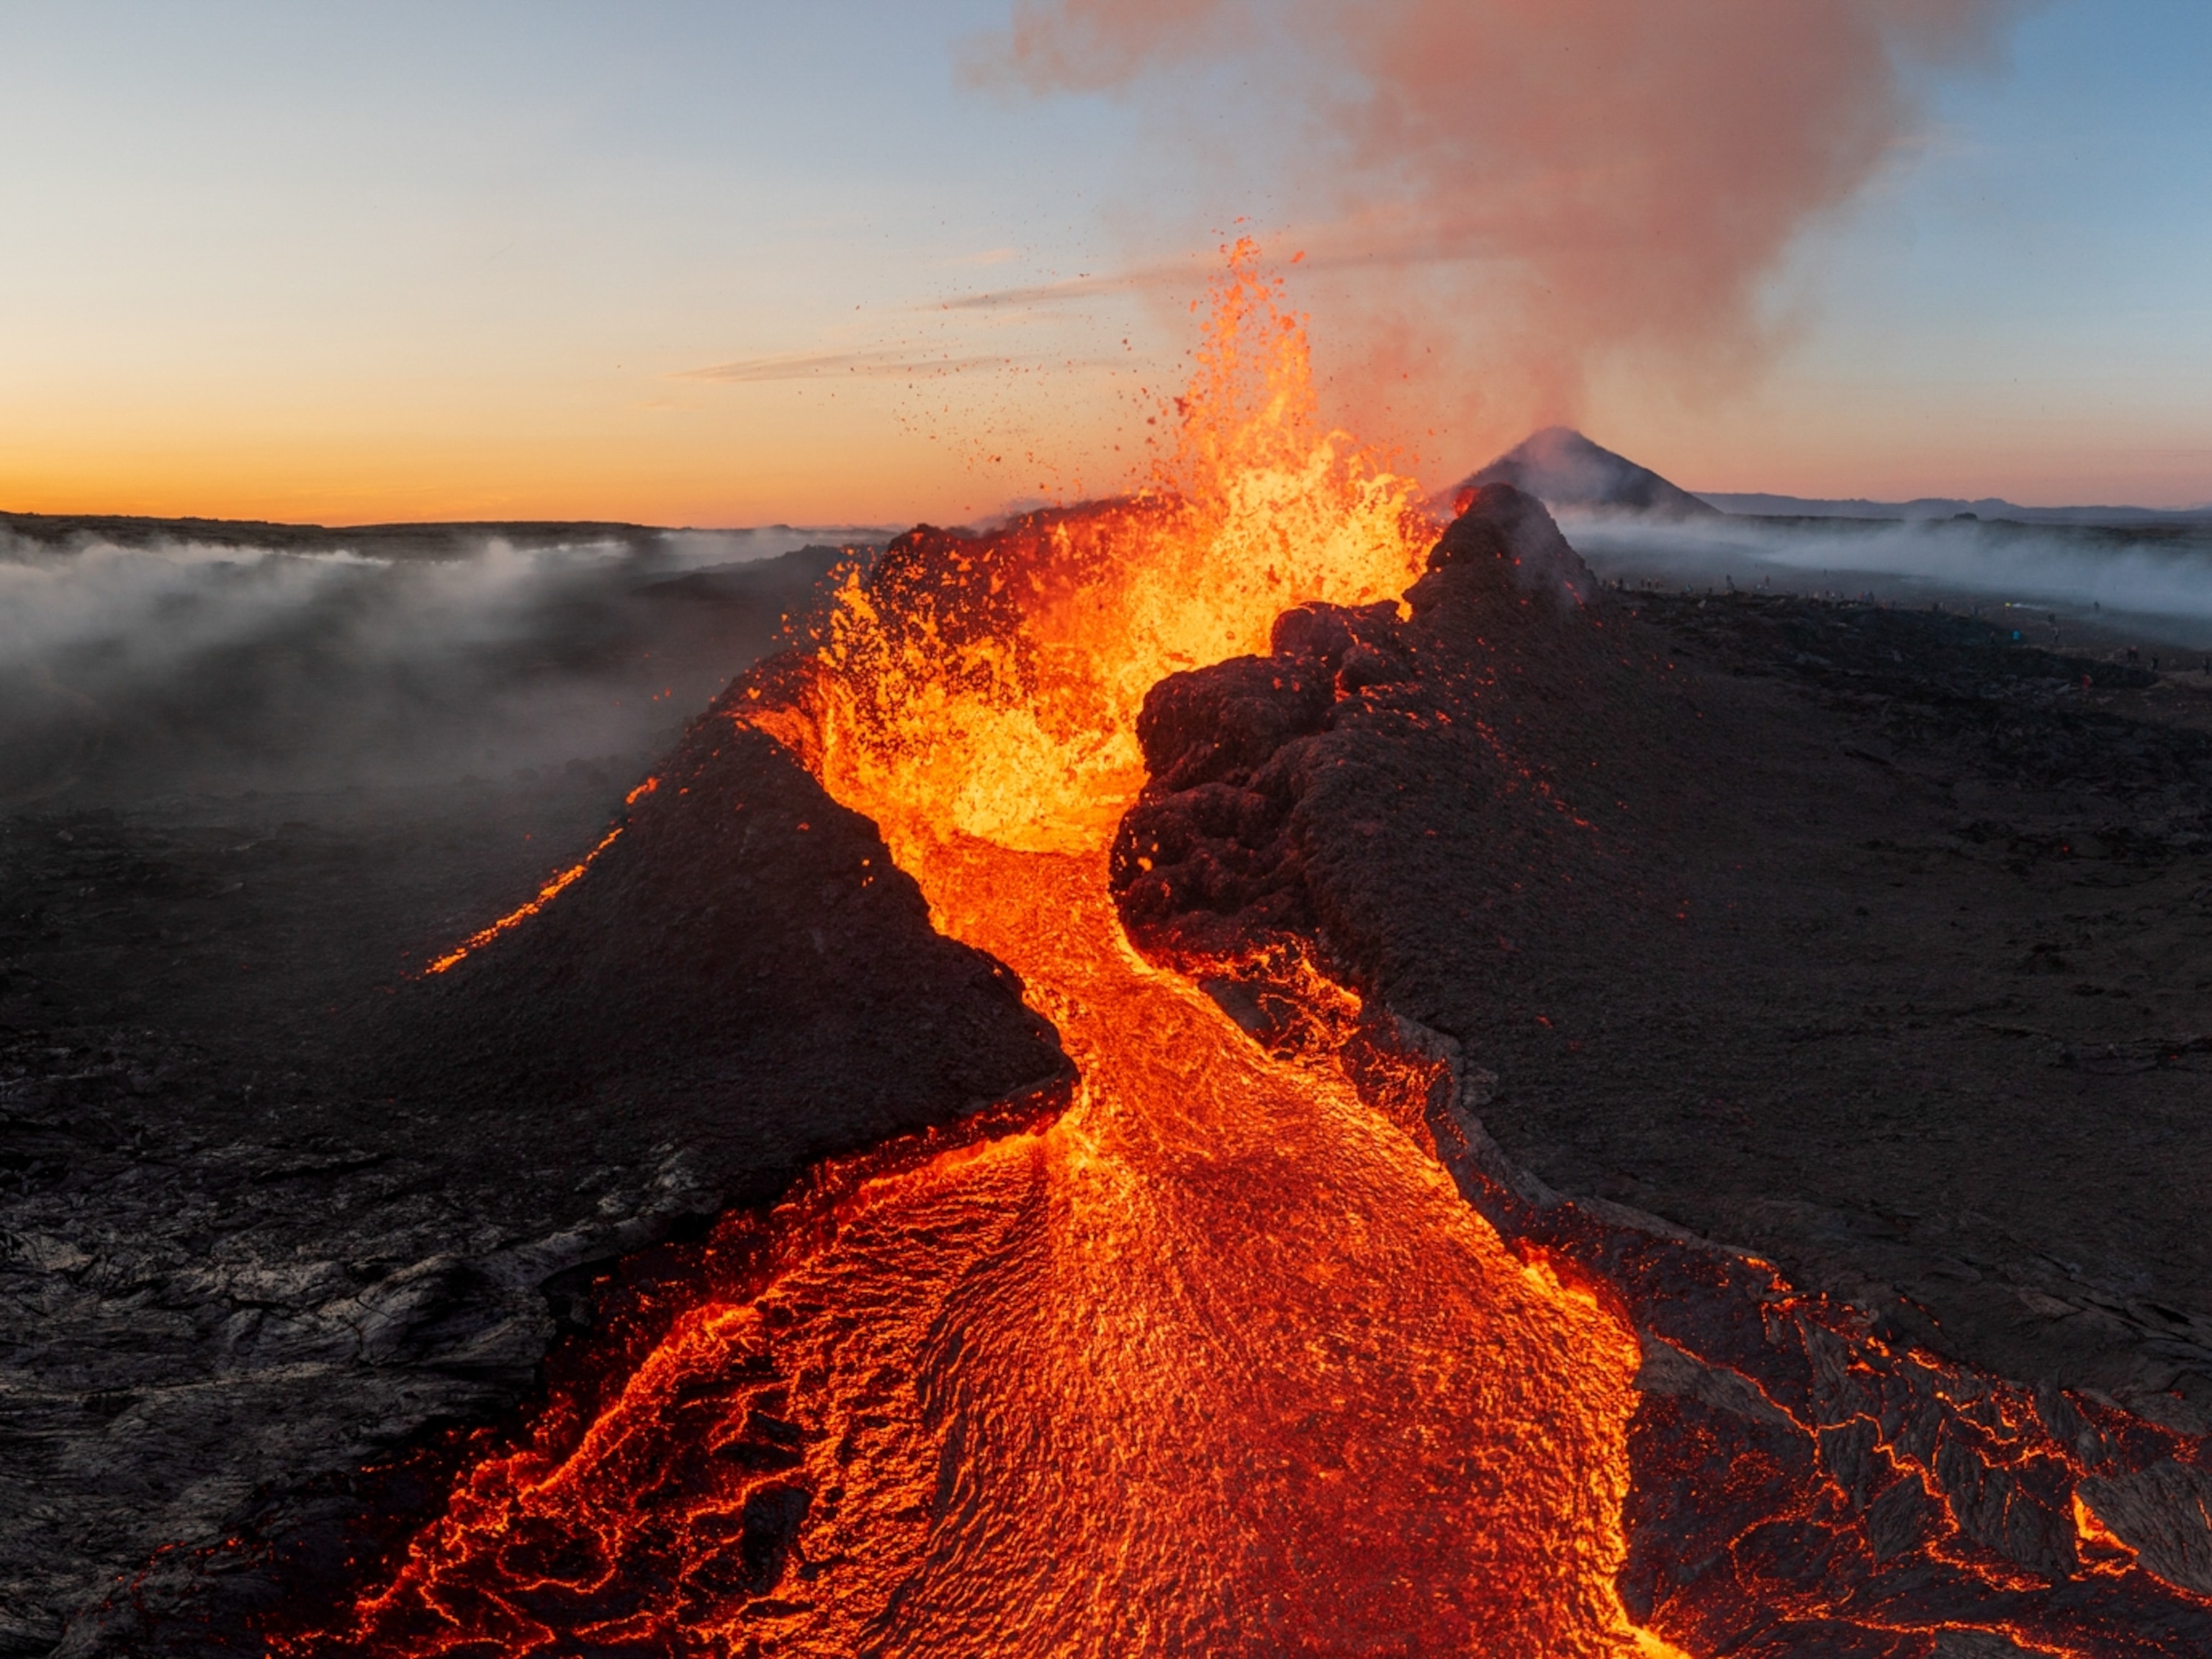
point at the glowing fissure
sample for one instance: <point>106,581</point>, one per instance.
<point>553,887</point>
<point>1220,1361</point>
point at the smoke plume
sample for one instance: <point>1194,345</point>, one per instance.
<point>1516,190</point>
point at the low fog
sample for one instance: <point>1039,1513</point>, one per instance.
<point>158,665</point>
<point>132,669</point>
<point>2108,586</point>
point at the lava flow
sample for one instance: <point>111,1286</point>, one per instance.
<point>1220,1360</point>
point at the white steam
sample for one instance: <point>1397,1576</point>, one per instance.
<point>2158,583</point>
<point>184,667</point>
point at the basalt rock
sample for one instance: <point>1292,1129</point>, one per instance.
<point>1262,768</point>
<point>743,964</point>
<point>1499,530</point>
<point>1563,469</point>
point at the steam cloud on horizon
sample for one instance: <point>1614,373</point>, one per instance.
<point>2159,587</point>
<point>188,667</point>
<point>1510,191</point>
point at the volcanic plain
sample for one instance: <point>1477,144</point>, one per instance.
<point>1860,939</point>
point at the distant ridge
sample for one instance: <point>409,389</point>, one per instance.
<point>427,540</point>
<point>1563,469</point>
<point>431,538</point>
<point>1761,504</point>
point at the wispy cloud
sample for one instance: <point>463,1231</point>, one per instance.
<point>1374,237</point>
<point>876,362</point>
<point>1084,287</point>
<point>881,363</point>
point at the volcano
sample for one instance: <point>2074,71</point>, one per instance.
<point>1563,469</point>
<point>1196,1050</point>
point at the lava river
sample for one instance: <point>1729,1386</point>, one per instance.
<point>1217,1361</point>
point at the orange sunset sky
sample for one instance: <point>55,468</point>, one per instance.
<point>866,264</point>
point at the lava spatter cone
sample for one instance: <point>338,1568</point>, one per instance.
<point>734,971</point>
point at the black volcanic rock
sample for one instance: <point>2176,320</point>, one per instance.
<point>1562,469</point>
<point>1242,805</point>
<point>1194,731</point>
<point>1502,529</point>
<point>1862,938</point>
<point>743,966</point>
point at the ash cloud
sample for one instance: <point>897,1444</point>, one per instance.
<point>133,667</point>
<point>1523,188</point>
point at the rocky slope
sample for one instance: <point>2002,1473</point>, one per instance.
<point>1853,934</point>
<point>237,1267</point>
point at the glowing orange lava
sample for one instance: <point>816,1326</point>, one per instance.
<point>553,887</point>
<point>1219,1362</point>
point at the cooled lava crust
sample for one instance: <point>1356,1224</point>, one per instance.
<point>745,961</point>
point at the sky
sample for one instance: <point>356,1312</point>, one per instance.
<point>722,264</point>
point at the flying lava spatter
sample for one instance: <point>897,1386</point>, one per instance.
<point>1217,1360</point>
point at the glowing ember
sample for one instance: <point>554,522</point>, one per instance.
<point>1220,1362</point>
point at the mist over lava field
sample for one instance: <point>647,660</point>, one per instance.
<point>2113,582</point>
<point>146,658</point>
<point>143,659</point>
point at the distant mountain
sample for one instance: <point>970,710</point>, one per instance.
<point>434,540</point>
<point>1940,506</point>
<point>1563,469</point>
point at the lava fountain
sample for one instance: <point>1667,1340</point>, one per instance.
<point>1217,1361</point>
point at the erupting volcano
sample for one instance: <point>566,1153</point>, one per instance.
<point>1165,1374</point>
<point>1219,1357</point>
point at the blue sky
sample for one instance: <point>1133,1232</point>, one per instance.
<point>2025,300</point>
<point>354,262</point>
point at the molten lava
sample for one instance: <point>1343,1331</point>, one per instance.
<point>554,887</point>
<point>1217,1362</point>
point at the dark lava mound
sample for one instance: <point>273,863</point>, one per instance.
<point>743,967</point>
